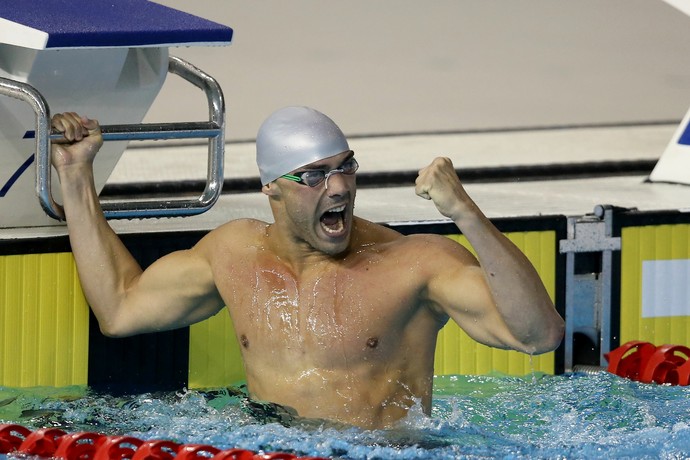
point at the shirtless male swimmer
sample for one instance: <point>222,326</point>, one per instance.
<point>337,317</point>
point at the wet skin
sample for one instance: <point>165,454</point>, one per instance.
<point>338,339</point>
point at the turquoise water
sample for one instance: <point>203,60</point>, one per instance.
<point>555,417</point>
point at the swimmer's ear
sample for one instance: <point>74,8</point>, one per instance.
<point>271,189</point>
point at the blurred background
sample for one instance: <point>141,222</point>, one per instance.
<point>403,66</point>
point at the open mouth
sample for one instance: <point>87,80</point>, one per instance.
<point>333,220</point>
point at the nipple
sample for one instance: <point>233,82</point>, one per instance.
<point>373,342</point>
<point>244,341</point>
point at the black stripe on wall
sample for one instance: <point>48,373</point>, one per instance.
<point>147,362</point>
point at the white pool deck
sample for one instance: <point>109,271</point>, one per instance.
<point>517,198</point>
<point>512,198</point>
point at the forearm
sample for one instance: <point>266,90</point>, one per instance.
<point>519,313</point>
<point>104,265</point>
<point>517,290</point>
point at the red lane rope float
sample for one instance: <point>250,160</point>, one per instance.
<point>11,437</point>
<point>157,450</point>
<point>43,442</point>
<point>117,448</point>
<point>668,364</point>
<point>629,359</point>
<point>77,446</point>
<point>644,362</point>
<point>55,443</point>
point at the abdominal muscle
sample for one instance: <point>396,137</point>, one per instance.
<point>367,372</point>
<point>362,366</point>
<point>360,395</point>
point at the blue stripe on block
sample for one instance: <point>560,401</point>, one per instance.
<point>17,174</point>
<point>112,23</point>
<point>685,137</point>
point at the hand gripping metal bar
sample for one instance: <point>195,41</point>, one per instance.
<point>213,130</point>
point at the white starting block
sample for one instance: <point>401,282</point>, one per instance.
<point>106,60</point>
<point>674,164</point>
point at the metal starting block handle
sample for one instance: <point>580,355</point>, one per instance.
<point>213,130</point>
<point>151,131</point>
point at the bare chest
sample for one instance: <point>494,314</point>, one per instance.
<point>329,317</point>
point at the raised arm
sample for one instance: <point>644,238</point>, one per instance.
<point>175,291</point>
<point>501,301</point>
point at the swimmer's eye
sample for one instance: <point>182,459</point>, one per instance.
<point>315,177</point>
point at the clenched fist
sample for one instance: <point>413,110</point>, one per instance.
<point>439,183</point>
<point>83,138</point>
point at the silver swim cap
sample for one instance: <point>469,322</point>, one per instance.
<point>293,137</point>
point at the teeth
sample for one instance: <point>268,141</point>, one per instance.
<point>336,222</point>
<point>338,229</point>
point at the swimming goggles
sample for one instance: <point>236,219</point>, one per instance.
<point>312,178</point>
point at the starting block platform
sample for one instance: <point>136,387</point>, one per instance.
<point>59,24</point>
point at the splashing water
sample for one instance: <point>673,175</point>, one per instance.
<point>569,416</point>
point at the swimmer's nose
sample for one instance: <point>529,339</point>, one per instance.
<point>337,186</point>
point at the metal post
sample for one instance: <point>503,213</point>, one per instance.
<point>589,286</point>
<point>213,130</point>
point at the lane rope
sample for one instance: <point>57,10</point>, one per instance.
<point>643,362</point>
<point>58,444</point>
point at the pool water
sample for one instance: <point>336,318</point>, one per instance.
<point>538,416</point>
